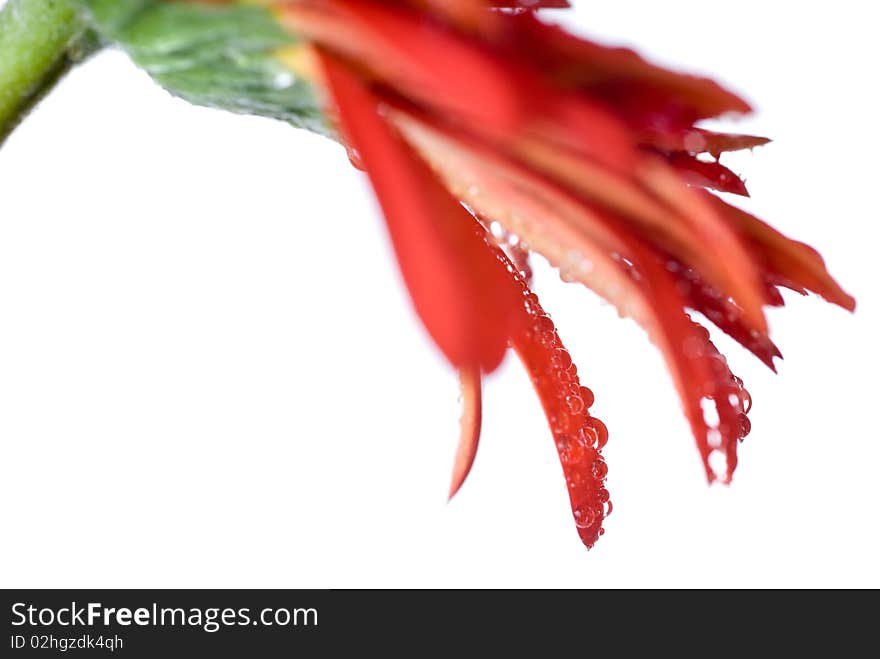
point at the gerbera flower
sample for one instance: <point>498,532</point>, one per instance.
<point>488,134</point>
<point>589,156</point>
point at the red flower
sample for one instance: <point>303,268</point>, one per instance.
<point>462,115</point>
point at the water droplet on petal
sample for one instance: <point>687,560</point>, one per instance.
<point>601,432</point>
<point>694,142</point>
<point>587,396</point>
<point>544,324</point>
<point>584,516</point>
<point>745,426</point>
<point>354,157</point>
<point>746,400</point>
<point>591,436</point>
<point>563,359</point>
<point>718,464</point>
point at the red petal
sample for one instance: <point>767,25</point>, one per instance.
<point>791,261</point>
<point>621,77</point>
<point>726,316</point>
<point>433,66</point>
<point>707,174</point>
<point>471,419</point>
<point>460,291</point>
<point>700,373</point>
<point>742,279</point>
<point>531,4</point>
<point>581,241</point>
<point>689,229</point>
<point>454,73</point>
<point>579,437</point>
<point>473,13</point>
<point>700,140</point>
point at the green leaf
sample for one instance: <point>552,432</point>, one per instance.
<point>218,56</point>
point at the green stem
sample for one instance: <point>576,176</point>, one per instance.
<point>39,40</point>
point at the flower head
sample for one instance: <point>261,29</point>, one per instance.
<point>487,134</point>
<point>462,115</point>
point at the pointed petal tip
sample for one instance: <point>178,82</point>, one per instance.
<point>756,317</point>
<point>471,420</point>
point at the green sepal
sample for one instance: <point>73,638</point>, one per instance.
<point>217,56</point>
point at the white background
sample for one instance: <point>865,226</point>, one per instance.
<point>210,374</point>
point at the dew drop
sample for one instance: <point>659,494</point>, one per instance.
<point>601,432</point>
<point>587,396</point>
<point>283,80</point>
<point>746,400</point>
<point>354,158</point>
<point>718,464</point>
<point>567,276</point>
<point>575,404</point>
<point>710,412</point>
<point>584,516</point>
<point>600,469</point>
<point>572,389</point>
<point>694,142</point>
<point>591,436</point>
<point>745,426</point>
<point>562,358</point>
<point>544,324</point>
